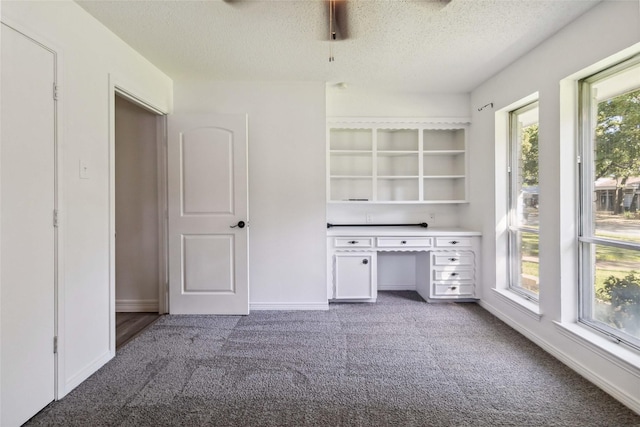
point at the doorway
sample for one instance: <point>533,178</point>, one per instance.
<point>139,219</point>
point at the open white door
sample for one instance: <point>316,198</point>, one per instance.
<point>208,213</point>
<point>28,255</point>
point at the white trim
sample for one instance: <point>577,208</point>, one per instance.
<point>163,226</point>
<point>289,306</point>
<point>605,63</point>
<point>620,395</point>
<point>412,120</point>
<point>617,354</point>
<point>134,99</point>
<point>1,214</point>
<point>136,305</point>
<point>526,306</point>
<point>86,372</point>
<point>569,211</point>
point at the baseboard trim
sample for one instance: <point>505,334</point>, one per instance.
<point>286,306</point>
<point>85,373</point>
<point>137,305</point>
<point>615,392</point>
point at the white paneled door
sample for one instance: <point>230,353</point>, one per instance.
<point>208,214</point>
<point>27,252</point>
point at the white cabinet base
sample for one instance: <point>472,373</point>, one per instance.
<point>443,264</point>
<point>355,276</point>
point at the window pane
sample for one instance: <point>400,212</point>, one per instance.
<point>526,267</point>
<point>625,226</point>
<point>610,178</point>
<point>525,185</point>
<point>614,297</point>
<point>617,164</point>
<point>523,200</point>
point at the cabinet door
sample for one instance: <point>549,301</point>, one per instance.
<point>355,275</point>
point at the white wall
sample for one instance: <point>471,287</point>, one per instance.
<point>0,221</point>
<point>88,53</point>
<point>606,29</point>
<point>361,101</point>
<point>287,247</point>
<point>136,210</point>
<point>358,101</point>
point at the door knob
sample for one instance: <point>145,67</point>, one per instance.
<point>240,224</point>
<point>365,261</point>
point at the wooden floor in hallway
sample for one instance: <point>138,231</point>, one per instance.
<point>128,325</point>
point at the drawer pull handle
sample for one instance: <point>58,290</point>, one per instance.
<point>365,261</point>
<point>404,242</point>
<point>453,288</point>
<point>453,259</point>
<point>454,242</point>
<point>454,274</point>
<point>352,242</point>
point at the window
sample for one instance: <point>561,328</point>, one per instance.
<point>523,201</point>
<point>609,234</point>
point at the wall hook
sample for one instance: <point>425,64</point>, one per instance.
<point>485,106</point>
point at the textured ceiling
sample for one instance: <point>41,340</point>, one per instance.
<point>424,46</point>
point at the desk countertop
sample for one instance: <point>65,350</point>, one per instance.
<point>400,231</point>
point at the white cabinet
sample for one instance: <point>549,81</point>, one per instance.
<point>451,269</point>
<point>454,242</point>
<point>446,262</point>
<point>354,242</point>
<point>355,276</point>
<point>396,162</point>
<point>452,274</point>
<point>404,242</point>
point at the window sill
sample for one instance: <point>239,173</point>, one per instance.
<point>615,353</point>
<point>526,306</point>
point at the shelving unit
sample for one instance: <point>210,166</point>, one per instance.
<point>397,161</point>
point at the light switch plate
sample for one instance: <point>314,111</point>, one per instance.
<point>84,169</point>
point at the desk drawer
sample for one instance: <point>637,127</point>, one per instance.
<point>453,242</point>
<point>404,242</point>
<point>453,258</point>
<point>353,242</point>
<point>451,274</point>
<point>440,289</point>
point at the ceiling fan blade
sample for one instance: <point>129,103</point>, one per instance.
<point>338,20</point>
<point>341,19</point>
<point>237,3</point>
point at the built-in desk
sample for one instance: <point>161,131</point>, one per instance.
<point>444,262</point>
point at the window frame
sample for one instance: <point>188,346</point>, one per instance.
<point>586,236</point>
<point>514,230</point>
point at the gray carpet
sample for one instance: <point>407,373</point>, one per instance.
<point>399,362</point>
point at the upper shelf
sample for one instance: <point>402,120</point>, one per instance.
<point>397,161</point>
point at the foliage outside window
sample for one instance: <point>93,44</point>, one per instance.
<point>610,192</point>
<point>523,201</point>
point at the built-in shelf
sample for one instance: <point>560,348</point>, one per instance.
<point>417,161</point>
